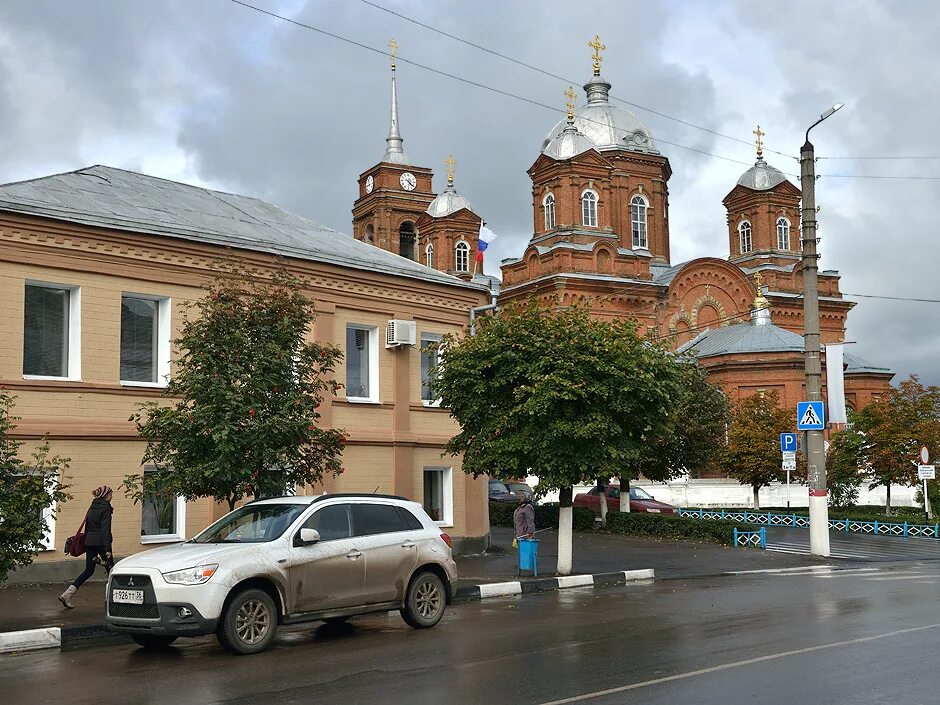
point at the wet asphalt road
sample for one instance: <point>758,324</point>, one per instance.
<point>863,635</point>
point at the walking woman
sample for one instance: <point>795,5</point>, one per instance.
<point>97,541</point>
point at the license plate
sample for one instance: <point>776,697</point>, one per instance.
<point>653,511</point>
<point>131,597</point>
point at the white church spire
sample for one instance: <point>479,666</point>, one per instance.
<point>394,151</point>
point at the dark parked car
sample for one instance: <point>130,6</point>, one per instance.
<point>521,489</point>
<point>640,501</point>
<point>500,493</point>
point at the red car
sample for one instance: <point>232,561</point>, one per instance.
<point>640,501</point>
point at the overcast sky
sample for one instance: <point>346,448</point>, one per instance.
<point>216,94</point>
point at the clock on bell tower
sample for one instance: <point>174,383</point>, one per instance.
<point>393,193</point>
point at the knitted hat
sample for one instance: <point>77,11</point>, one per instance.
<point>100,492</point>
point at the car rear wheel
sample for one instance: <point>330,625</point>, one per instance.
<point>153,641</point>
<point>425,601</point>
<point>249,622</point>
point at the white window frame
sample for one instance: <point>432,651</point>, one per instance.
<point>429,255</point>
<point>373,347</point>
<point>179,516</point>
<point>785,222</point>
<point>548,203</point>
<point>589,219</point>
<point>47,542</point>
<point>75,330</point>
<point>742,226</point>
<point>429,338</point>
<point>164,308</point>
<point>462,247</point>
<point>447,486</point>
<point>639,216</point>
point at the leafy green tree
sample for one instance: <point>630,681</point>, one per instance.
<point>752,455</point>
<point>30,492</point>
<point>556,393</point>
<point>242,418</point>
<point>845,466</point>
<point>692,437</point>
<point>895,427</point>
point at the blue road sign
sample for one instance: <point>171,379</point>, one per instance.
<point>788,442</point>
<point>810,416</point>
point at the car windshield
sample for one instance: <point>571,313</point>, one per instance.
<point>637,493</point>
<point>520,487</point>
<point>253,523</point>
<point>498,487</point>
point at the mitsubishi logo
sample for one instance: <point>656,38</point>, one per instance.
<point>130,581</point>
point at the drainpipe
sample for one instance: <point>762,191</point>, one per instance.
<point>493,285</point>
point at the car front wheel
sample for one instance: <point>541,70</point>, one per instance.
<point>425,601</point>
<point>249,622</point>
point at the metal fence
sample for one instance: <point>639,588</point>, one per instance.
<point>758,538</point>
<point>849,526</point>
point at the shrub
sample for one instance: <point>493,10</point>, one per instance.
<point>675,527</point>
<point>546,516</point>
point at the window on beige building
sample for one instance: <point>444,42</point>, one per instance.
<point>51,331</point>
<point>145,340</point>
<point>439,495</point>
<point>430,355</point>
<point>162,519</point>
<point>362,363</point>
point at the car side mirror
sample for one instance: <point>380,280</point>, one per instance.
<point>309,536</point>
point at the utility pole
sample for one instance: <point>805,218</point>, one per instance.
<point>815,443</point>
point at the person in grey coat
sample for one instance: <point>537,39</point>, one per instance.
<point>523,518</point>
<point>97,541</point>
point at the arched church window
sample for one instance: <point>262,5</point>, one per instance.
<point>638,206</point>
<point>429,255</point>
<point>549,204</point>
<point>406,240</point>
<point>589,209</point>
<point>463,257</point>
<point>744,235</point>
<point>370,234</point>
<point>783,234</point>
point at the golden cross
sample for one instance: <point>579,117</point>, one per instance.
<point>450,161</point>
<point>758,281</point>
<point>393,45</point>
<point>598,48</point>
<point>760,143</point>
<point>570,94</point>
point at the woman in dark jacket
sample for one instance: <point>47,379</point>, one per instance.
<point>97,541</point>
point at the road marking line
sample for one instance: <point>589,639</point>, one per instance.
<point>900,577</point>
<point>779,570</point>
<point>736,664</point>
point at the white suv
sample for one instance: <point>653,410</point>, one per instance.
<point>283,561</point>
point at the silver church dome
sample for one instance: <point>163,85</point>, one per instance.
<point>761,176</point>
<point>447,202</point>
<point>607,126</point>
<point>569,143</point>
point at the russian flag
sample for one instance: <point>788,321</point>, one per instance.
<point>486,237</point>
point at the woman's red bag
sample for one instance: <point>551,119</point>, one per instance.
<point>75,545</point>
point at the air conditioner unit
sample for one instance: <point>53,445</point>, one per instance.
<point>400,333</point>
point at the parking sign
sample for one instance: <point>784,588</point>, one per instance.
<point>788,442</point>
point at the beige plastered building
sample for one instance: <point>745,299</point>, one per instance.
<point>96,269</point>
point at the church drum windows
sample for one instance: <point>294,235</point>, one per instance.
<point>462,252</point>
<point>406,240</point>
<point>548,203</point>
<point>744,237</point>
<point>783,234</point>
<point>370,234</point>
<point>429,255</point>
<point>638,207</point>
<point>589,209</point>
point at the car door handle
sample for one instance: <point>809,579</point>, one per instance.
<point>354,554</point>
<point>408,544</point>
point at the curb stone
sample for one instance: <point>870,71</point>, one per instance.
<point>472,593</point>
<point>96,634</point>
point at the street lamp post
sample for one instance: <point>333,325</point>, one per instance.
<point>815,444</point>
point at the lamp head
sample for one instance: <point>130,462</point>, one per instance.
<point>834,108</point>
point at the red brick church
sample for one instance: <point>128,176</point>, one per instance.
<point>600,236</point>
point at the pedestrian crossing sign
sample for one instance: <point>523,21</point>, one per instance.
<point>810,416</point>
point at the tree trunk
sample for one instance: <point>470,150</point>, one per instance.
<point>231,504</point>
<point>625,493</point>
<point>888,503</point>
<point>602,494</point>
<point>756,497</point>
<point>564,531</point>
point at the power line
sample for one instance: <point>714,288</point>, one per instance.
<point>542,71</point>
<point>884,157</point>
<point>893,298</point>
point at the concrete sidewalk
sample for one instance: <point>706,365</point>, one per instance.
<point>28,606</point>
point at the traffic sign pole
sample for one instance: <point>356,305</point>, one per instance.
<point>926,472</point>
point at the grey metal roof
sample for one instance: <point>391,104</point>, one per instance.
<point>447,202</point>
<point>856,365</point>
<point>743,338</point>
<point>761,176</point>
<point>664,274</point>
<point>125,200</point>
<point>569,143</point>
